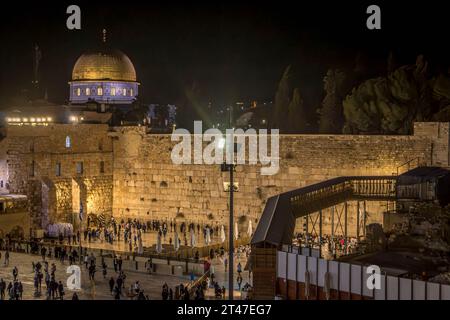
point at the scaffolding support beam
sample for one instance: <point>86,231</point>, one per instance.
<point>320,233</point>
<point>345,227</point>
<point>358,226</point>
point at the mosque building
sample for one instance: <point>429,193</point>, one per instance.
<point>103,89</point>
<point>106,76</point>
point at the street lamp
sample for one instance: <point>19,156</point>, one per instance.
<point>230,167</point>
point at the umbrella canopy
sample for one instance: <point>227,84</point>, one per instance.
<point>208,236</point>
<point>250,229</point>
<point>159,244</point>
<point>236,231</point>
<point>222,234</point>
<point>176,243</point>
<point>193,240</point>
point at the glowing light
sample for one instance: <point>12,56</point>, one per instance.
<point>221,143</point>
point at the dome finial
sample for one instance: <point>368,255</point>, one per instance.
<point>104,35</point>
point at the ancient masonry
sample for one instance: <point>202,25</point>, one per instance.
<point>127,172</point>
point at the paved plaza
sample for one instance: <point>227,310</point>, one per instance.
<point>99,289</point>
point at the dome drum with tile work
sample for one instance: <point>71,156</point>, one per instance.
<point>106,76</point>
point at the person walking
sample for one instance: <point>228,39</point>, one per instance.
<point>104,267</point>
<point>112,282</point>
<point>2,289</point>
<point>6,258</point>
<point>239,281</point>
<point>61,291</point>
<point>15,273</point>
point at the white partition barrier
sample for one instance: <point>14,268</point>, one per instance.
<point>392,288</point>
<point>344,277</point>
<point>432,291</point>
<point>312,268</point>
<point>355,278</point>
<point>333,267</point>
<point>301,268</point>
<point>418,290</point>
<point>380,294</point>
<point>281,264</point>
<point>445,292</point>
<point>352,278</point>
<point>292,267</point>
<point>323,265</point>
<point>405,289</point>
<point>367,292</point>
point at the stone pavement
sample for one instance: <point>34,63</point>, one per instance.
<point>151,284</point>
<point>221,276</point>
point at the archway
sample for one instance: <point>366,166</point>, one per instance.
<point>48,202</point>
<point>79,204</point>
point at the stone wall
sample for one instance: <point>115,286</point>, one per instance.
<point>42,163</point>
<point>148,185</point>
<point>140,180</point>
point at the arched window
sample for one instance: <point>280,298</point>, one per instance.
<point>88,91</point>
<point>78,91</point>
<point>99,91</point>
<point>113,91</point>
<point>68,142</point>
<point>131,92</point>
<point>124,92</point>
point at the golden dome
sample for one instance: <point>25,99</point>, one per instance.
<point>106,65</point>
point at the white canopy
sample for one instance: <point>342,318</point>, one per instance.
<point>159,244</point>
<point>176,243</point>
<point>222,234</point>
<point>193,240</point>
<point>250,229</point>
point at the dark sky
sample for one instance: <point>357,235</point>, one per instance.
<point>232,49</point>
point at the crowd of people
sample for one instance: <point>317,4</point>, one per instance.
<point>131,231</point>
<point>336,245</point>
<point>68,248</point>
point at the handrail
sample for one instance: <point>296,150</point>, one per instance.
<point>190,286</point>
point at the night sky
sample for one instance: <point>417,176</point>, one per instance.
<point>231,50</point>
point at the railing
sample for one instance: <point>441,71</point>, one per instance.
<point>327,193</point>
<point>410,164</point>
<point>192,285</point>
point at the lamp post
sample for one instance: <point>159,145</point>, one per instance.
<point>226,167</point>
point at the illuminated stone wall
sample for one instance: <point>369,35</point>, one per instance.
<point>148,185</point>
<point>140,180</point>
<point>43,148</point>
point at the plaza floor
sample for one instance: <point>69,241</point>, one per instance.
<point>99,290</point>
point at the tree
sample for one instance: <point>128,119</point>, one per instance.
<point>296,113</point>
<point>330,114</point>
<point>390,104</point>
<point>282,100</point>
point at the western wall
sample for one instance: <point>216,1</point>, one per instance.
<point>138,179</point>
